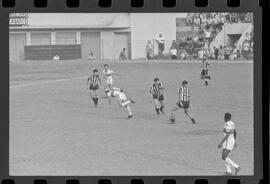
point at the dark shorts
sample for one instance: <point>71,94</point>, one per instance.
<point>94,87</point>
<point>160,98</point>
<point>185,104</point>
<point>173,57</point>
<point>204,72</point>
<point>161,46</point>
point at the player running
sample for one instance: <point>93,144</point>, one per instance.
<point>157,91</point>
<point>122,99</point>
<point>107,74</point>
<point>183,102</point>
<point>93,83</point>
<point>228,143</point>
<point>204,73</point>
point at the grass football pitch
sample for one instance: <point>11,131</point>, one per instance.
<point>56,130</point>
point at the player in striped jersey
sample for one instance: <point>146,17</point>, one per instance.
<point>157,91</point>
<point>93,83</point>
<point>183,102</point>
<point>204,73</point>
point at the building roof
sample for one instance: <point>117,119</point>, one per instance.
<point>236,28</point>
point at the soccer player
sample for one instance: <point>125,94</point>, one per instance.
<point>122,99</point>
<point>93,83</point>
<point>228,143</point>
<point>108,91</point>
<point>183,102</point>
<point>204,74</point>
<point>107,74</point>
<point>157,91</point>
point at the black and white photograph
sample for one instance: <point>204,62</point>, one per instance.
<point>131,94</point>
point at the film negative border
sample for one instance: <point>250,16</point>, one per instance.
<point>132,180</point>
<point>131,5</point>
<point>125,6</point>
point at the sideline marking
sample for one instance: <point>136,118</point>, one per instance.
<point>44,82</point>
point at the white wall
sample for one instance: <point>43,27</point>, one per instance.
<point>78,20</point>
<point>107,44</point>
<point>147,26</point>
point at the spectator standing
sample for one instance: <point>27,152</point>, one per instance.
<point>200,54</point>
<point>91,56</point>
<point>234,53</point>
<point>245,49</point>
<point>251,47</point>
<point>161,45</point>
<point>174,45</point>
<point>149,50</point>
<point>226,53</point>
<point>216,53</point>
<point>207,35</point>
<point>122,55</point>
<point>212,53</point>
<point>221,53</point>
<point>173,53</point>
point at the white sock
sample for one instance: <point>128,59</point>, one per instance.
<point>229,161</point>
<point>228,167</point>
<point>129,110</point>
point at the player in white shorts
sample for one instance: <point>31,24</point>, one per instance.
<point>228,143</point>
<point>107,73</point>
<point>123,101</point>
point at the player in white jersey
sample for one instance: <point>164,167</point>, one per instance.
<point>108,92</point>
<point>228,143</point>
<point>122,99</point>
<point>107,74</point>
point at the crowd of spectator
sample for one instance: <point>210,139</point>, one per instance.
<point>210,24</point>
<point>196,46</point>
<point>217,19</point>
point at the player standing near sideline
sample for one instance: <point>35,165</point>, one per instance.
<point>107,74</point>
<point>157,91</point>
<point>228,143</point>
<point>204,73</point>
<point>183,102</point>
<point>123,101</point>
<point>93,82</point>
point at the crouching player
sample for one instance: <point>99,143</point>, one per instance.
<point>157,91</point>
<point>204,74</point>
<point>93,83</point>
<point>183,102</point>
<point>228,143</point>
<point>122,99</point>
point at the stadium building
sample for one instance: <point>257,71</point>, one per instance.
<point>74,36</point>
